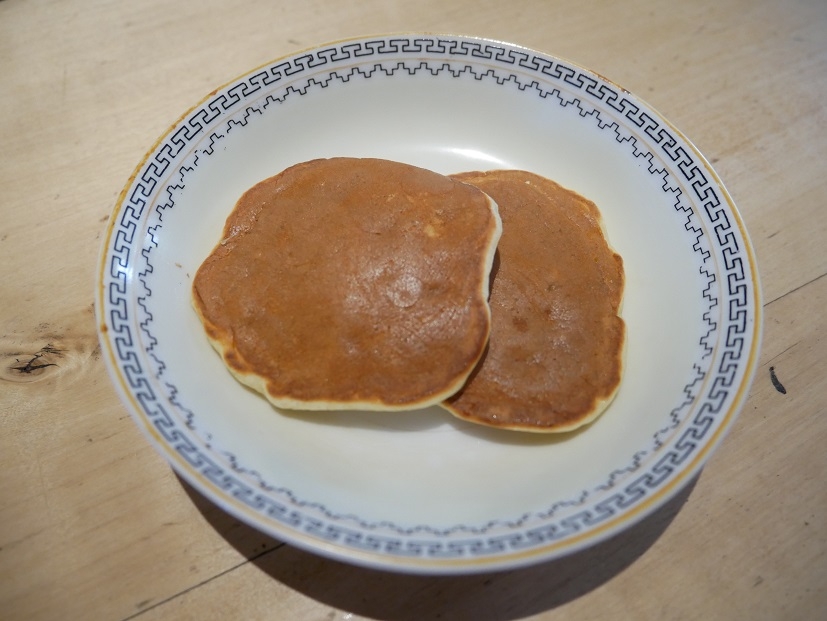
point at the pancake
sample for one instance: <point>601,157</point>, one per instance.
<point>351,283</point>
<point>555,354</point>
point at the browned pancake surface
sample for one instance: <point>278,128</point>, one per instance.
<point>555,353</point>
<point>352,283</point>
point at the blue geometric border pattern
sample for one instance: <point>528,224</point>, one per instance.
<point>727,279</point>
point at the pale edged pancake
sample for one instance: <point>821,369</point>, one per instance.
<point>555,354</point>
<point>350,283</point>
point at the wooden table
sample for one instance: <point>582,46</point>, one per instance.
<point>95,525</point>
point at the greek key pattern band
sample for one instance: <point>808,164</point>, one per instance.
<point>728,288</point>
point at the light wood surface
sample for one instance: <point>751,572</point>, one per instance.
<point>95,525</point>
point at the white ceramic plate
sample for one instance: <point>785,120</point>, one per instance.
<point>421,491</point>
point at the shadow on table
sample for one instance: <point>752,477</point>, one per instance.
<point>495,596</point>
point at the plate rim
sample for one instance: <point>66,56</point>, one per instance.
<point>428,564</point>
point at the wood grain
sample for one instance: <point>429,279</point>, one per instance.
<point>93,524</point>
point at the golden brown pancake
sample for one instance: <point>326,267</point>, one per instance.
<point>352,284</point>
<point>555,354</point>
